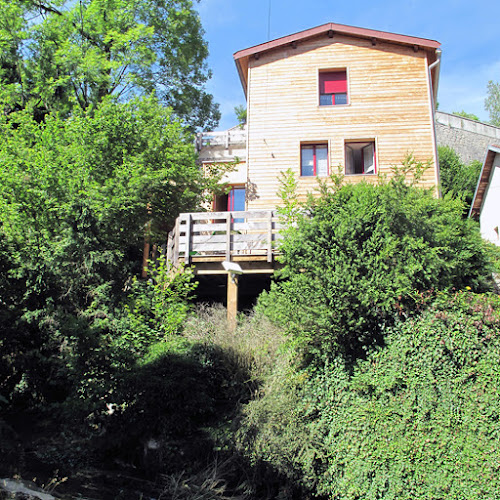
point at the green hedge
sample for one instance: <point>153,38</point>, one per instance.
<point>364,254</point>
<point>419,418</point>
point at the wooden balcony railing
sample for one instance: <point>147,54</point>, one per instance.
<point>209,236</point>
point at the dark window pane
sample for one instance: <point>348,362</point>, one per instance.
<point>325,100</point>
<point>340,98</point>
<point>307,161</point>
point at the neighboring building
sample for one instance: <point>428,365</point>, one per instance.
<point>469,138</point>
<point>333,97</point>
<point>486,202</point>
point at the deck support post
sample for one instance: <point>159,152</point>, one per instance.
<point>232,300</point>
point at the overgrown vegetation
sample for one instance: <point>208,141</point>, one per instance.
<point>77,199</point>
<point>457,179</point>
<point>418,418</point>
<point>362,255</point>
<point>368,371</point>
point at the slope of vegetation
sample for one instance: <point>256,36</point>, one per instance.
<point>417,418</point>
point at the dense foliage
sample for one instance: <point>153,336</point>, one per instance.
<point>418,418</point>
<point>465,114</point>
<point>77,196</point>
<point>457,179</point>
<point>364,254</point>
<point>492,102</point>
<point>58,55</point>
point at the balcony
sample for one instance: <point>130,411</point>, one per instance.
<point>206,239</point>
<point>222,146</point>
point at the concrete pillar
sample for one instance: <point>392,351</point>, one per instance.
<point>232,300</point>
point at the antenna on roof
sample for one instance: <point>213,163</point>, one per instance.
<point>269,22</point>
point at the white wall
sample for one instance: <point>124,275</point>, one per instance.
<point>490,211</point>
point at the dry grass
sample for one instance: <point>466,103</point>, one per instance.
<point>251,349</point>
<point>208,484</point>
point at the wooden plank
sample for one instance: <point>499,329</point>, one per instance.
<point>224,247</point>
<point>209,227</point>
<point>232,301</point>
<point>188,239</point>
<point>270,239</point>
<point>200,240</point>
<point>205,272</point>
<point>237,226</point>
<point>220,258</point>
<point>251,214</point>
<point>228,236</point>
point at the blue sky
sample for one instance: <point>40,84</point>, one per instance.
<point>468,31</point>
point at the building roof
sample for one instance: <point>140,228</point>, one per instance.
<point>330,29</point>
<point>484,179</point>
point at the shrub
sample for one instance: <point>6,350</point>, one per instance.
<point>365,254</point>
<point>419,418</point>
<point>458,179</point>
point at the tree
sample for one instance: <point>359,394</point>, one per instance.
<point>363,254</point>
<point>58,54</point>
<point>458,179</point>
<point>464,114</point>
<point>241,114</point>
<point>76,195</point>
<point>492,102</point>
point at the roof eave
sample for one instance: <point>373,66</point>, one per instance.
<point>341,29</point>
<point>484,176</point>
<point>245,54</point>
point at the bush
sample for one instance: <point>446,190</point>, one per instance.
<point>457,179</point>
<point>365,254</point>
<point>419,418</point>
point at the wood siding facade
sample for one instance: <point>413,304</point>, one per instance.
<point>389,103</point>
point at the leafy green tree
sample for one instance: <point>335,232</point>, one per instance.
<point>457,179</point>
<point>364,254</point>
<point>464,114</point>
<point>58,54</point>
<point>241,114</point>
<point>76,196</point>
<point>492,102</point>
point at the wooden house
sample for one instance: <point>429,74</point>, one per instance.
<point>331,98</point>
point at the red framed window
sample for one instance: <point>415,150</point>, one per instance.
<point>332,87</point>
<point>236,199</point>
<point>360,158</point>
<point>313,160</point>
<point>233,201</point>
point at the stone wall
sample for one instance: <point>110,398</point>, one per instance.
<point>468,138</point>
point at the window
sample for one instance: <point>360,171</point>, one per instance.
<point>234,200</point>
<point>360,158</point>
<point>332,88</point>
<point>313,160</point>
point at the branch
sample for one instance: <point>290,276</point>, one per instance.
<point>60,13</point>
<point>118,79</point>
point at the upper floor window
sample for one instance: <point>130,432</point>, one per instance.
<point>332,87</point>
<point>313,160</point>
<point>360,158</point>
